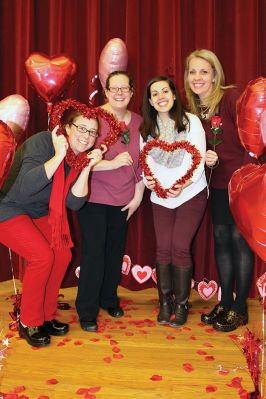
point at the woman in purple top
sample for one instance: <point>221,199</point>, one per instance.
<point>116,192</point>
<point>207,97</point>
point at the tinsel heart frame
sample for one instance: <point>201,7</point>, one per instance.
<point>57,113</point>
<point>163,145</point>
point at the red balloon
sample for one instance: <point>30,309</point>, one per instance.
<point>247,193</point>
<point>15,112</point>
<point>7,150</point>
<point>50,76</point>
<point>263,127</point>
<point>250,107</point>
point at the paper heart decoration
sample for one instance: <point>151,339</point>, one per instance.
<point>250,106</point>
<point>141,274</point>
<point>207,290</point>
<point>247,195</point>
<point>180,145</point>
<point>7,151</point>
<point>261,284</point>
<point>50,76</point>
<point>154,276</point>
<point>15,112</point>
<point>113,58</point>
<point>126,265</point>
<point>77,271</point>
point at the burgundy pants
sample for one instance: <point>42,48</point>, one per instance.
<point>176,228</point>
<point>45,269</point>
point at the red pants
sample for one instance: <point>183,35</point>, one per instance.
<point>46,266</point>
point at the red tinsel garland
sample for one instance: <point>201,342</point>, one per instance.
<point>181,145</point>
<point>80,161</point>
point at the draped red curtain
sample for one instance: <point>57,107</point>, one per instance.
<point>159,34</point>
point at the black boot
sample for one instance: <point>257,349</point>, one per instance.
<point>181,288</point>
<point>164,286</point>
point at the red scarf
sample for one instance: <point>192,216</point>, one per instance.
<point>57,206</point>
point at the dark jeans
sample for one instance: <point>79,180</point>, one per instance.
<point>103,229</point>
<point>176,228</point>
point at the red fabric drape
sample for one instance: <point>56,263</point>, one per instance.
<point>159,34</point>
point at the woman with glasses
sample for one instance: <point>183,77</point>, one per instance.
<point>116,192</point>
<point>50,172</point>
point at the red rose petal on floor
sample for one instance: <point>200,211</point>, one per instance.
<point>233,337</point>
<point>113,342</point>
<point>94,339</point>
<point>67,340</point>
<point>107,359</point>
<point>201,325</point>
<point>61,343</point>
<point>108,336</point>
<point>82,391</point>
<point>209,358</point>
<point>94,389</point>
<point>210,330</point>
<point>52,381</point>
<point>19,389</point>
<point>235,383</point>
<point>118,356</point>
<point>193,338</point>
<point>143,332</point>
<point>115,349</point>
<point>207,345</point>
<point>170,337</point>
<point>200,352</point>
<point>129,334</point>
<point>89,396</point>
<point>78,342</point>
<point>156,377</point>
<point>186,329</point>
<point>188,367</point>
<point>210,388</point>
<point>223,372</point>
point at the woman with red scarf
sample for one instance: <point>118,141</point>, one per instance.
<point>50,172</point>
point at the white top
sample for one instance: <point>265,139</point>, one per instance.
<point>167,176</point>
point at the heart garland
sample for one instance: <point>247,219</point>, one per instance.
<point>57,114</point>
<point>181,145</point>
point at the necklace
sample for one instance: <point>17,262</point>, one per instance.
<point>204,112</point>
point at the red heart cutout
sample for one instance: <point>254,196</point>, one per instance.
<point>247,193</point>
<point>7,151</point>
<point>182,145</point>
<point>141,274</point>
<point>207,290</point>
<point>50,76</point>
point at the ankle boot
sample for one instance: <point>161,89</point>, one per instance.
<point>181,289</point>
<point>164,286</point>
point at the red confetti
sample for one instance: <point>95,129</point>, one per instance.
<point>188,367</point>
<point>170,337</point>
<point>61,343</point>
<point>78,342</point>
<point>113,342</point>
<point>94,339</point>
<point>52,381</point>
<point>118,356</point>
<point>35,348</point>
<point>210,330</point>
<point>234,337</point>
<point>89,396</point>
<point>235,383</point>
<point>209,358</point>
<point>107,359</point>
<point>108,336</point>
<point>115,349</point>
<point>19,389</point>
<point>156,377</point>
<point>11,396</point>
<point>94,389</point>
<point>67,339</point>
<point>200,352</point>
<point>186,329</point>
<point>43,397</point>
<point>193,338</point>
<point>82,391</point>
<point>207,345</point>
<point>129,334</point>
<point>210,388</point>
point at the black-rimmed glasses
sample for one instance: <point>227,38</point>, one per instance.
<point>84,130</point>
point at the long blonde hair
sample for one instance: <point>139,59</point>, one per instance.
<point>218,89</point>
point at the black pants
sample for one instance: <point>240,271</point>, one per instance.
<point>103,229</point>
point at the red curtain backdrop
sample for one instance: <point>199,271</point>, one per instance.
<point>159,34</point>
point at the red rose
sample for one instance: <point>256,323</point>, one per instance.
<point>216,121</point>
<point>123,126</point>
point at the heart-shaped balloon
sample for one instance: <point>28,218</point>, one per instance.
<point>113,58</point>
<point>263,127</point>
<point>7,150</point>
<point>50,76</point>
<point>163,145</point>
<point>250,107</point>
<point>247,193</point>
<point>15,112</point>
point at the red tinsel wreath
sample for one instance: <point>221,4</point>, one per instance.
<point>181,145</point>
<point>57,113</point>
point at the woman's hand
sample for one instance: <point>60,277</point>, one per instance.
<point>150,182</point>
<point>176,192</point>
<point>122,159</point>
<point>60,143</point>
<point>211,158</point>
<point>95,156</point>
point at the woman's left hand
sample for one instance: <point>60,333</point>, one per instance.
<point>175,193</point>
<point>95,156</point>
<point>132,206</point>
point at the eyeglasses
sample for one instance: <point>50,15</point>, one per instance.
<point>83,130</point>
<point>123,89</point>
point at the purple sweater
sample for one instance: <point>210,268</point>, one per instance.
<point>232,155</point>
<point>117,187</point>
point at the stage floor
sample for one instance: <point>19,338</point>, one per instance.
<point>128,358</point>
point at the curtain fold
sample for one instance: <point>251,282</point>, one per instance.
<point>159,34</point>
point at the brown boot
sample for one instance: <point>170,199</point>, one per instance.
<point>181,289</point>
<point>164,286</point>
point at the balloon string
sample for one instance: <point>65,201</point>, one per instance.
<point>12,270</point>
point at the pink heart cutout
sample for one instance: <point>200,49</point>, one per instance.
<point>141,274</point>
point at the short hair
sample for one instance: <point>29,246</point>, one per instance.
<point>115,73</point>
<point>213,100</point>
